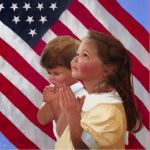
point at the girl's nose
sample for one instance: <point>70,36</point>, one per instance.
<point>75,59</point>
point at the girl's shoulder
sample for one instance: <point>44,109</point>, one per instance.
<point>92,100</point>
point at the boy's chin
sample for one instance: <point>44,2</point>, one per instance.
<point>57,85</point>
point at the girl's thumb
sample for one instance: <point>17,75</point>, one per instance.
<point>82,100</point>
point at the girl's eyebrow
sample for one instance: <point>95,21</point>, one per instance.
<point>84,50</point>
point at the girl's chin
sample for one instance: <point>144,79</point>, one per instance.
<point>76,77</point>
<point>74,74</point>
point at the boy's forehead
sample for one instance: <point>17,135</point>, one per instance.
<point>57,68</point>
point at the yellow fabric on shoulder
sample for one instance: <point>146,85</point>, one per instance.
<point>106,124</point>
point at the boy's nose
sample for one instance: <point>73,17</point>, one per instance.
<point>51,77</point>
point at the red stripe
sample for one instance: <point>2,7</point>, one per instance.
<point>60,29</point>
<point>39,47</point>
<point>14,135</point>
<point>140,72</point>
<point>134,143</point>
<point>23,104</point>
<point>128,21</point>
<point>22,66</point>
<point>87,19</point>
<point>143,111</point>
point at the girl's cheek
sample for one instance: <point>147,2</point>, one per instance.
<point>85,68</point>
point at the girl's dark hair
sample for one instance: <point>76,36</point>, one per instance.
<point>59,52</point>
<point>113,53</point>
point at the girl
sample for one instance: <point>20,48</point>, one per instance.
<point>101,121</point>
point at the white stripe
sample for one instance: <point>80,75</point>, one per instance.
<point>49,36</point>
<point>143,137</point>
<point>118,30</point>
<point>21,83</point>
<point>31,131</point>
<point>73,24</point>
<point>141,93</point>
<point>22,48</point>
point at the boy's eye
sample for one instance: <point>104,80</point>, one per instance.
<point>56,73</point>
<point>77,54</point>
<point>53,73</point>
<point>48,72</point>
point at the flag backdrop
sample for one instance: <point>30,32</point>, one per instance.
<point>25,28</point>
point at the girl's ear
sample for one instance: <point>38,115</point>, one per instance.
<point>109,69</point>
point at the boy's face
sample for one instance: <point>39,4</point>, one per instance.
<point>59,75</point>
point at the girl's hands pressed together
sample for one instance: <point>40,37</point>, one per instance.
<point>71,107</point>
<point>69,104</point>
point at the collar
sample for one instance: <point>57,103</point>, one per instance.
<point>76,87</point>
<point>92,100</point>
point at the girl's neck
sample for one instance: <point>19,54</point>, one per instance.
<point>90,86</point>
<point>93,87</point>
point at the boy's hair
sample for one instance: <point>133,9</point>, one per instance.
<point>59,52</point>
<point>112,52</point>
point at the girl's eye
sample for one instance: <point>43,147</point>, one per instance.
<point>84,55</point>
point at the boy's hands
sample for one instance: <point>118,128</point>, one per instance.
<point>50,94</point>
<point>50,110</point>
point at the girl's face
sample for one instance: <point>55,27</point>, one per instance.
<point>87,66</point>
<point>59,75</point>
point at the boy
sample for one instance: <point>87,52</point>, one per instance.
<point>56,59</point>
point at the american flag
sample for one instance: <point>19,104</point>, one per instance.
<point>25,28</point>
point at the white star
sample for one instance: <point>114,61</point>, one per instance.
<point>16,19</point>
<point>14,6</point>
<point>1,6</point>
<point>40,6</point>
<point>43,19</point>
<point>30,19</point>
<point>32,32</point>
<point>26,6</point>
<point>53,6</point>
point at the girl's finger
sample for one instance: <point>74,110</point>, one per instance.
<point>82,100</point>
<point>68,96</point>
<point>61,97</point>
<point>65,96</point>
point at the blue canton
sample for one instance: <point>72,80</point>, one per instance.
<point>30,19</point>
